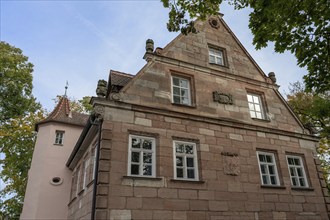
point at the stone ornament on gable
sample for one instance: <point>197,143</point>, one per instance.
<point>214,23</point>
<point>223,98</point>
<point>98,112</point>
<point>101,89</point>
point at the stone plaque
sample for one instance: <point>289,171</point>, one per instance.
<point>231,163</point>
<point>222,98</point>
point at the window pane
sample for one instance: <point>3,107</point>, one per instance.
<point>299,172</point>
<point>271,169</point>
<point>147,158</point>
<point>269,158</point>
<point>250,99</point>
<point>190,162</point>
<point>135,169</point>
<point>135,157</point>
<point>263,169</point>
<point>257,107</point>
<point>176,81</point>
<point>189,149</point>
<point>253,114</point>
<point>262,158</point>
<point>212,59</point>
<point>176,91</point>
<point>294,181</point>
<point>273,180</point>
<point>191,174</point>
<point>185,101</point>
<point>184,83</point>
<point>176,99</point>
<point>147,144</point>
<point>136,142</point>
<point>179,172</point>
<point>259,115</point>
<point>302,182</point>
<point>179,161</point>
<point>179,148</point>
<point>256,99</point>
<point>292,172</point>
<point>290,161</point>
<point>296,161</point>
<point>147,170</point>
<point>264,179</point>
<point>251,106</point>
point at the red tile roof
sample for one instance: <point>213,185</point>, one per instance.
<point>63,114</point>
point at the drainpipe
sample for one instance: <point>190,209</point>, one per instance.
<point>96,173</point>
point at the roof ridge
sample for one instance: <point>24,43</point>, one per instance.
<point>121,73</point>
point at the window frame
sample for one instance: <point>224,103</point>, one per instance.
<point>184,166</point>
<point>189,88</point>
<point>222,51</point>
<point>142,151</point>
<point>86,172</point>
<point>59,140</point>
<point>272,154</point>
<point>302,166</point>
<point>261,104</point>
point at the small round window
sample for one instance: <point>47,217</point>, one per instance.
<point>214,23</point>
<point>56,181</point>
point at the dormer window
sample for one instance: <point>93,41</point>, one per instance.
<point>217,56</point>
<point>59,136</point>
<point>181,90</point>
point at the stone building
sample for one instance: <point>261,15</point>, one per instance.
<point>200,132</point>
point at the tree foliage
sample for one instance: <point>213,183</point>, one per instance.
<point>15,83</point>
<point>314,111</point>
<point>17,139</point>
<point>299,26</point>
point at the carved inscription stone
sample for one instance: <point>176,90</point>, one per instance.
<point>222,98</point>
<point>231,163</point>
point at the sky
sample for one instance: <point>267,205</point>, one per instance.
<point>81,41</point>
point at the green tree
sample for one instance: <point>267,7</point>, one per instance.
<point>314,111</point>
<point>299,26</point>
<point>17,139</point>
<point>15,83</point>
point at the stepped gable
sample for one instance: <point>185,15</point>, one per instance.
<point>63,114</point>
<point>117,80</point>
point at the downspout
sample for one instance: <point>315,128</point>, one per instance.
<point>96,173</point>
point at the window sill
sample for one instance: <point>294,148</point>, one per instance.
<point>81,192</point>
<point>302,188</point>
<point>72,200</point>
<point>183,105</point>
<point>188,181</point>
<point>142,178</point>
<point>58,144</point>
<point>261,120</point>
<point>272,187</point>
<point>219,65</point>
<point>90,183</point>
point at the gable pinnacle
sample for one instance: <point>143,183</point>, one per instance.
<point>66,88</point>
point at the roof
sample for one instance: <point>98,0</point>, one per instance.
<point>118,80</point>
<point>63,114</point>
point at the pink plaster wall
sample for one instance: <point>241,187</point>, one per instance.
<point>42,199</point>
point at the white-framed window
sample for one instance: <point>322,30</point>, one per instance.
<point>216,56</point>
<point>185,160</point>
<point>255,106</point>
<point>181,90</point>
<point>86,172</point>
<point>142,156</point>
<point>59,137</point>
<point>297,171</point>
<point>268,169</point>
